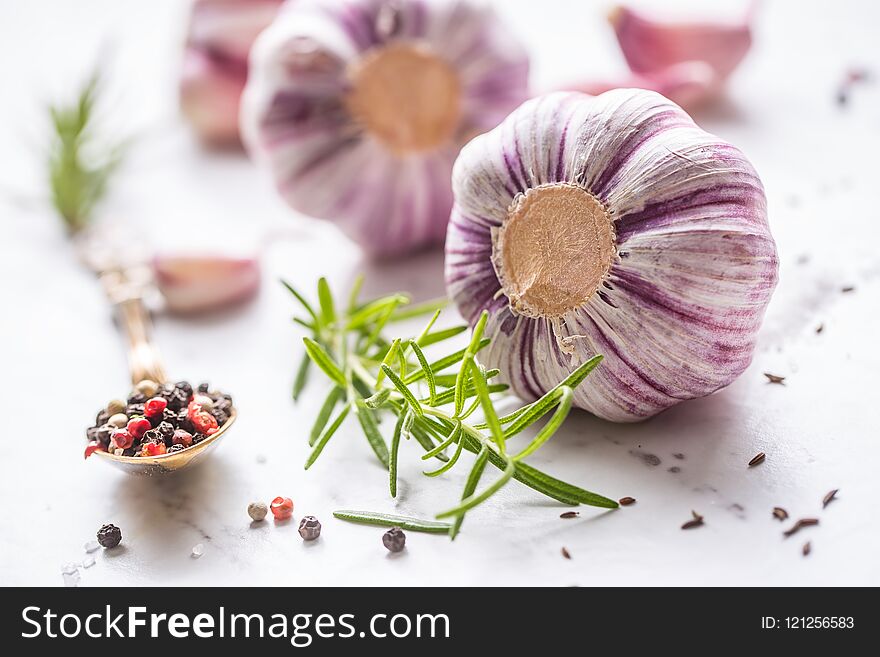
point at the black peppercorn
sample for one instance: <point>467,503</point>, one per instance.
<point>165,390</point>
<point>92,433</point>
<point>394,539</point>
<point>177,399</point>
<point>137,398</point>
<point>309,528</point>
<point>166,430</point>
<point>203,387</point>
<point>102,418</point>
<point>103,434</point>
<point>151,436</point>
<point>220,416</point>
<point>183,422</point>
<point>175,448</point>
<point>198,437</point>
<point>169,417</point>
<point>109,536</point>
<point>134,410</point>
<point>185,387</point>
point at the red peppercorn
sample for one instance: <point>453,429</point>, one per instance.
<point>152,449</point>
<point>121,439</point>
<point>204,422</point>
<point>92,447</point>
<point>282,508</point>
<point>182,437</point>
<point>155,406</point>
<point>138,426</point>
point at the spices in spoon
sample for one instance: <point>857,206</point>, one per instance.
<point>158,419</point>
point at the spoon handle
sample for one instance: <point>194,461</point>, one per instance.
<point>143,357</point>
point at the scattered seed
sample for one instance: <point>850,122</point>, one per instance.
<point>309,528</point>
<point>757,458</point>
<point>394,539</point>
<point>257,511</point>
<point>696,521</point>
<point>848,288</point>
<point>800,524</point>
<point>774,378</point>
<point>566,553</point>
<point>806,549</point>
<point>829,496</point>
<point>779,513</point>
<point>109,536</point>
<point>626,501</point>
<point>820,328</point>
<point>570,514</point>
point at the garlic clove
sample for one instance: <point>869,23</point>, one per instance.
<point>196,284</point>
<point>687,84</point>
<point>676,312</point>
<point>651,46</point>
<point>358,110</point>
<point>214,70</point>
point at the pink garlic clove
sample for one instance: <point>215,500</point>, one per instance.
<point>688,84</point>
<point>195,284</point>
<point>215,65</point>
<point>651,46</point>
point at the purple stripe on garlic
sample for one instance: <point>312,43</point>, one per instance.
<point>359,109</point>
<point>611,225</point>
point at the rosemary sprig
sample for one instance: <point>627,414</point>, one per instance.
<point>80,167</point>
<point>372,376</point>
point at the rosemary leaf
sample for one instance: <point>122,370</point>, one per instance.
<point>322,359</point>
<point>392,463</point>
<point>443,363</point>
<point>302,375</point>
<point>325,300</point>
<point>327,435</point>
<point>479,379</point>
<point>426,368</point>
<point>388,520</point>
<point>565,398</point>
<point>470,486</point>
<point>371,431</point>
<point>453,436</point>
<point>406,392</point>
<point>323,417</point>
<point>305,304</point>
<point>448,465</point>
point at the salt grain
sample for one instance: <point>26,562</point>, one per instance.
<point>197,551</point>
<point>70,574</point>
<point>88,561</point>
<point>92,546</point>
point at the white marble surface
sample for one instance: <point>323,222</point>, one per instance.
<point>61,357</point>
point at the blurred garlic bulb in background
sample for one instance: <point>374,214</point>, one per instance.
<point>214,73</point>
<point>360,107</point>
<point>611,225</point>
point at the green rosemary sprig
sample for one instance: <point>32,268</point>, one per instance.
<point>371,376</point>
<point>79,166</point>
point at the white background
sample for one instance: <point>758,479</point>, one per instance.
<point>61,357</point>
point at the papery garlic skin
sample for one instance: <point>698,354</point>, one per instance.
<point>675,312</point>
<point>193,284</point>
<point>359,109</point>
<point>650,45</point>
<point>214,69</point>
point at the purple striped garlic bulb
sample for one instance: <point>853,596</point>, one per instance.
<point>611,225</point>
<point>360,108</point>
<point>214,72</point>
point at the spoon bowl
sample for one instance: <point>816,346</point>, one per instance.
<point>149,466</point>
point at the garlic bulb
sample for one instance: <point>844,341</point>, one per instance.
<point>214,72</point>
<point>360,108</point>
<point>611,225</point>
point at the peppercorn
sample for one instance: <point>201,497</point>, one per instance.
<point>220,416</point>
<point>92,433</point>
<point>147,388</point>
<point>137,398</point>
<point>309,528</point>
<point>183,421</point>
<point>118,420</point>
<point>152,435</point>
<point>115,406</point>
<point>177,400</point>
<point>109,536</point>
<point>185,387</point>
<point>134,410</point>
<point>394,539</point>
<point>166,430</point>
<point>101,418</point>
<point>282,508</point>
<point>103,434</point>
<point>203,387</point>
<point>170,417</point>
<point>175,448</point>
<point>257,510</point>
<point>181,437</point>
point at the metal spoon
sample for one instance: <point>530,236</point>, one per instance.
<point>125,288</point>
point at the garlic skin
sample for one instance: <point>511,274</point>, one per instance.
<point>611,225</point>
<point>650,45</point>
<point>214,70</point>
<point>198,284</point>
<point>359,108</point>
